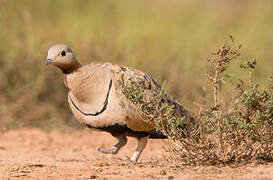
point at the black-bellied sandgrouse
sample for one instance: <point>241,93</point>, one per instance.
<point>96,99</point>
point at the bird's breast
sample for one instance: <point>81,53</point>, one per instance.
<point>102,113</point>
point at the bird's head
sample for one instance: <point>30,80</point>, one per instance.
<point>61,56</point>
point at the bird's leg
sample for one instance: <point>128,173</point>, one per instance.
<point>141,144</point>
<point>122,140</point>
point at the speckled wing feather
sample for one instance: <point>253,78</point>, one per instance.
<point>151,90</point>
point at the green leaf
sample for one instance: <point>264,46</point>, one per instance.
<point>163,88</point>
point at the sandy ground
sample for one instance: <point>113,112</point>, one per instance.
<point>35,154</point>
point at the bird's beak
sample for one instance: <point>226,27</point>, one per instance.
<point>49,61</point>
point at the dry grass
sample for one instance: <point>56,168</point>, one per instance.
<point>224,135</point>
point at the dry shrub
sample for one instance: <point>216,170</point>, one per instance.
<point>220,135</point>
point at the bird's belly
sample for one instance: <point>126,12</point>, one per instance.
<point>110,117</point>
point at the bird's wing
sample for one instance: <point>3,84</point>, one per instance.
<point>143,98</point>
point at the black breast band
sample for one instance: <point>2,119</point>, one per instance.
<point>103,107</point>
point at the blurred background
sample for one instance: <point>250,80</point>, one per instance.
<point>168,39</point>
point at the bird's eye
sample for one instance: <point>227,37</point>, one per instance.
<point>63,53</point>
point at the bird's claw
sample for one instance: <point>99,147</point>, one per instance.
<point>112,150</point>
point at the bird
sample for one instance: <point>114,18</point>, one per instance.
<point>97,100</point>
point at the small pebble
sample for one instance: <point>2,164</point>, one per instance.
<point>163,172</point>
<point>93,177</point>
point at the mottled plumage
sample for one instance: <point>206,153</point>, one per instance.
<point>97,100</point>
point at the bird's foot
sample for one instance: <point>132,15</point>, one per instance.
<point>112,150</point>
<point>129,161</point>
<point>134,157</point>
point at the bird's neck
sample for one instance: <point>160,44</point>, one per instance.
<point>71,68</point>
<point>75,80</point>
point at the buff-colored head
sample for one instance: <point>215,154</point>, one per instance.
<point>61,56</point>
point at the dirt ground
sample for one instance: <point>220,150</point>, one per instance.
<point>36,154</point>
